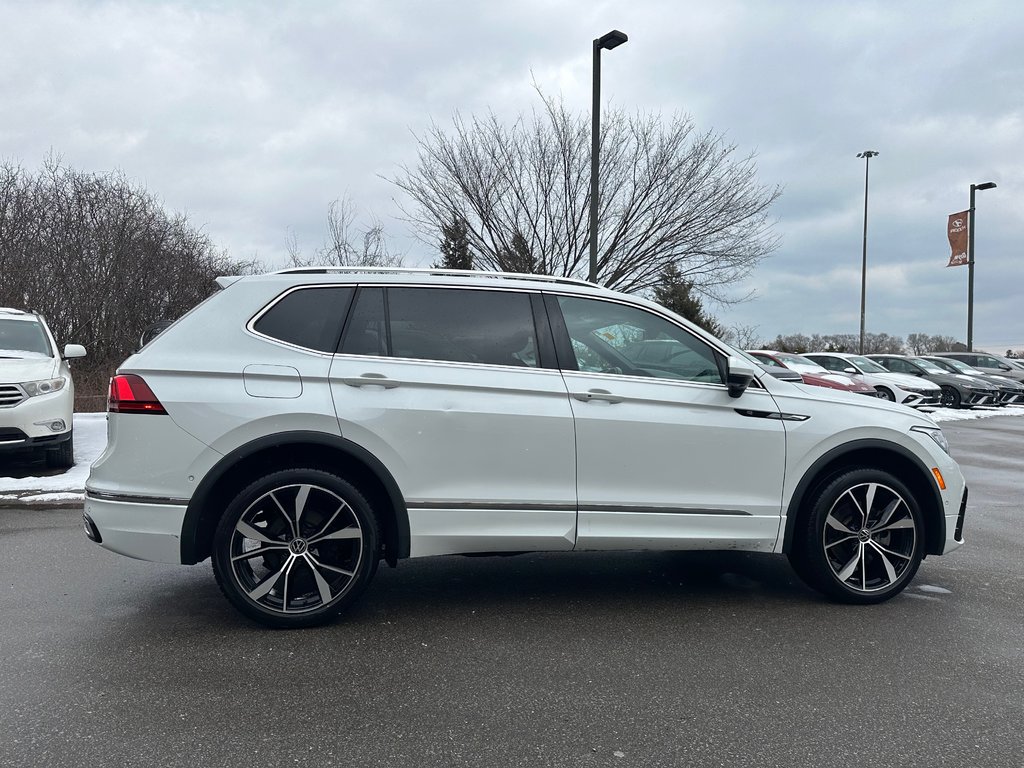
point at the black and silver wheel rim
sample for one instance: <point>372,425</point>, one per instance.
<point>949,397</point>
<point>887,395</point>
<point>296,549</point>
<point>870,537</point>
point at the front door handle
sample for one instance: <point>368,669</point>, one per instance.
<point>370,380</point>
<point>597,394</point>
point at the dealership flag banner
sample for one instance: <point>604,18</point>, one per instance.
<point>957,231</point>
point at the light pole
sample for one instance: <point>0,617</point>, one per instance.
<point>611,40</point>
<point>970,264</point>
<point>867,154</point>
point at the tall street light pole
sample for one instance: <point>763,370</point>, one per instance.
<point>867,154</point>
<point>611,40</point>
<point>970,264</point>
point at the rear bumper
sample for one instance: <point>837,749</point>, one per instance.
<point>146,528</point>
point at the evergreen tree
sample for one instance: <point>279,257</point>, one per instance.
<point>676,293</point>
<point>455,253</point>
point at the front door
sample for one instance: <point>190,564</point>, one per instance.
<point>665,457</point>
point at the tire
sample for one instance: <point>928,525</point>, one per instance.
<point>318,536</point>
<point>63,456</point>
<point>862,538</point>
<point>886,394</point>
<point>950,397</point>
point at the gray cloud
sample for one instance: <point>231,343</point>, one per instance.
<point>253,117</point>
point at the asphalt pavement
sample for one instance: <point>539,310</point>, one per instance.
<point>585,659</point>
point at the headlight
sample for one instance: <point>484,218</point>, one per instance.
<point>935,434</point>
<point>44,387</point>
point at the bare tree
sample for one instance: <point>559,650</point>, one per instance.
<point>348,244</point>
<point>100,258</point>
<point>669,195</point>
<point>924,344</point>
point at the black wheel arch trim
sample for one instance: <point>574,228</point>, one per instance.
<point>193,514</point>
<point>813,474</point>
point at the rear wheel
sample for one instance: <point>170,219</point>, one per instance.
<point>950,397</point>
<point>862,539</point>
<point>295,548</point>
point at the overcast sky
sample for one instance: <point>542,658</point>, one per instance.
<point>252,116</point>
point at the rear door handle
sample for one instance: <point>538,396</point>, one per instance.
<point>598,394</point>
<point>370,380</point>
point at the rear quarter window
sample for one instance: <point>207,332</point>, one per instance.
<point>307,317</point>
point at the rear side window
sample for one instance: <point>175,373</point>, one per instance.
<point>462,325</point>
<point>308,317</point>
<point>448,324</point>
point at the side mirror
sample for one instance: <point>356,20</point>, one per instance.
<point>739,377</point>
<point>1004,367</point>
<point>850,370</point>
<point>73,350</point>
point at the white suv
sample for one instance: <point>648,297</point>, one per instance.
<point>298,427</point>
<point>37,396</point>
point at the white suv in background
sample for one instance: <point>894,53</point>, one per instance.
<point>299,427</point>
<point>37,396</point>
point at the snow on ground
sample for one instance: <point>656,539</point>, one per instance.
<point>91,438</point>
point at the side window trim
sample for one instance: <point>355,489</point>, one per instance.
<point>547,357</point>
<point>565,358</point>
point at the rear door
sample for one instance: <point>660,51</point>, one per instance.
<point>456,391</point>
<point>665,458</point>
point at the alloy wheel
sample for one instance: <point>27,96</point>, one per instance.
<point>296,548</point>
<point>869,538</point>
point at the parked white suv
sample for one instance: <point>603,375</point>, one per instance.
<point>299,427</point>
<point>37,395</point>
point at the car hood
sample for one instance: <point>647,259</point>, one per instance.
<point>906,380</point>
<point>17,370</point>
<point>789,400</point>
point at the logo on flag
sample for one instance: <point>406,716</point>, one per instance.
<point>956,230</point>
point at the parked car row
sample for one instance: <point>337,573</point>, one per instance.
<point>945,378</point>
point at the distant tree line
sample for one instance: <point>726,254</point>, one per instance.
<point>101,259</point>
<point>874,343</point>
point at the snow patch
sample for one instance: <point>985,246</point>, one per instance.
<point>936,590</point>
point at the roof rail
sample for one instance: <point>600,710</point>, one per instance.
<point>432,271</point>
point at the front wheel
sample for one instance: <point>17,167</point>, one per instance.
<point>886,394</point>
<point>950,397</point>
<point>295,548</point>
<point>63,456</point>
<point>862,539</point>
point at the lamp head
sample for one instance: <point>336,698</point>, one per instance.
<point>611,40</point>
<point>986,185</point>
<point>867,153</point>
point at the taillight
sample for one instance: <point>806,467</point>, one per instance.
<point>130,394</point>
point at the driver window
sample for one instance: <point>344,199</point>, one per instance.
<point>614,338</point>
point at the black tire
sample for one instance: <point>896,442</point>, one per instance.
<point>862,537</point>
<point>63,456</point>
<point>950,397</point>
<point>887,394</point>
<point>318,556</point>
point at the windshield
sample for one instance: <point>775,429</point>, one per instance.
<point>928,365</point>
<point>867,365</point>
<point>23,338</point>
<point>961,366</point>
<point>800,363</point>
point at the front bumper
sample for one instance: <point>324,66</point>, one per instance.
<point>14,439</point>
<point>146,528</point>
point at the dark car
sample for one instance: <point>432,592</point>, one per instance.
<point>1011,392</point>
<point>989,363</point>
<point>958,390</point>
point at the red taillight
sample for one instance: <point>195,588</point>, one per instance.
<point>130,394</point>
